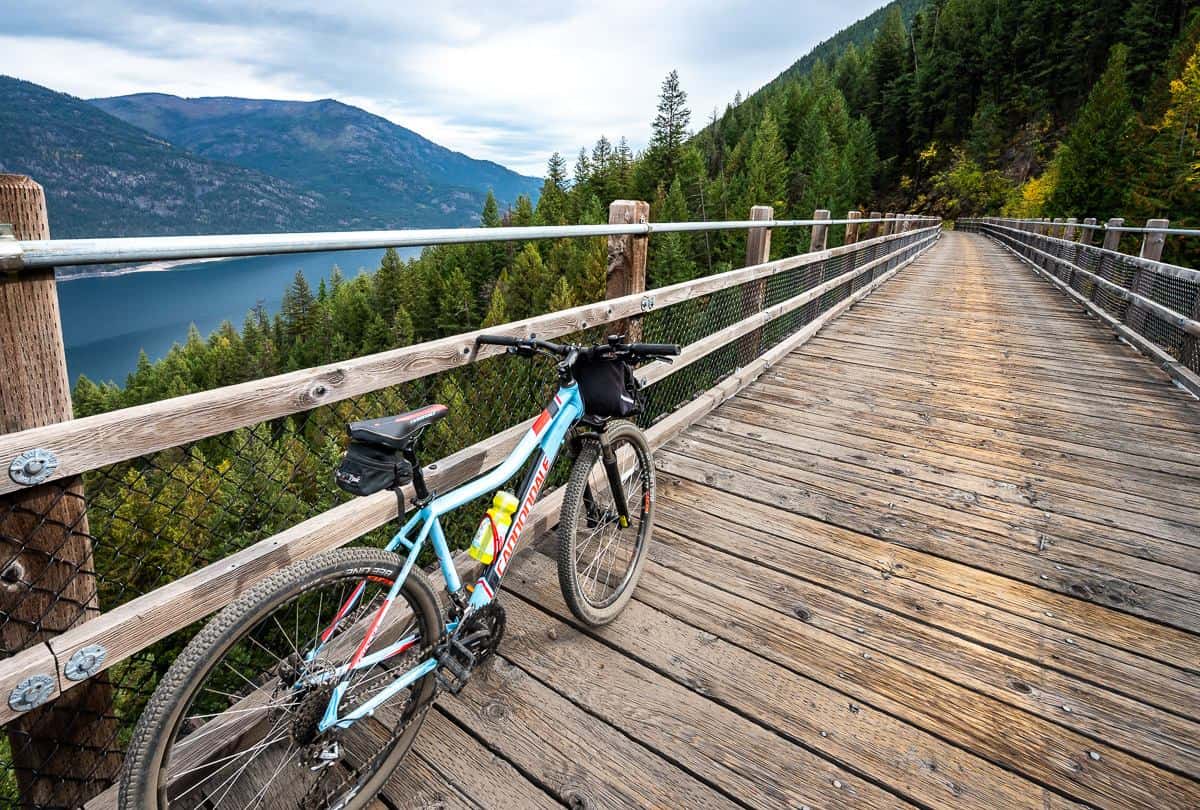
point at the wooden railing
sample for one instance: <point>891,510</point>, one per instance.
<point>43,529</point>
<point>1153,305</point>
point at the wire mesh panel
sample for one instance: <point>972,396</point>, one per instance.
<point>158,517</point>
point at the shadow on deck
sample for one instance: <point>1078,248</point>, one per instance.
<point>945,554</point>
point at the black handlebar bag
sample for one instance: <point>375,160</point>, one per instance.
<point>608,387</point>
<point>368,468</point>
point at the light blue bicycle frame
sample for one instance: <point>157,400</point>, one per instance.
<point>545,437</point>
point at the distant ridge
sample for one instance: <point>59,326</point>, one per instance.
<point>380,173</point>
<point>154,164</point>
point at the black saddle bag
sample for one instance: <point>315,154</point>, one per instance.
<point>368,468</point>
<point>609,387</point>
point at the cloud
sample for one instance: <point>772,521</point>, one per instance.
<point>507,83</point>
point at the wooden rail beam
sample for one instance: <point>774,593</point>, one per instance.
<point>63,753</point>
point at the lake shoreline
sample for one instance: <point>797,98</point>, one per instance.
<point>151,267</point>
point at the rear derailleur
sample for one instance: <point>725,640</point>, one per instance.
<point>472,643</point>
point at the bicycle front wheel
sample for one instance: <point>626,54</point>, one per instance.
<point>234,722</point>
<point>601,553</point>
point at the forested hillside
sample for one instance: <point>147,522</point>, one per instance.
<point>1034,107</point>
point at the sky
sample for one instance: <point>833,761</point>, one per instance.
<point>509,84</point>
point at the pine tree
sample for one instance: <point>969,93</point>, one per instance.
<point>457,304</point>
<point>766,167</point>
<point>552,202</point>
<point>669,129</point>
<point>376,337</point>
<point>402,328</point>
<point>297,306</point>
<point>562,297</point>
<point>1100,145</point>
<point>490,218</point>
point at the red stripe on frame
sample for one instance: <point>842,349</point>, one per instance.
<point>540,423</point>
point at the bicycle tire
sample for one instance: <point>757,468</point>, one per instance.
<point>156,731</point>
<point>574,518</point>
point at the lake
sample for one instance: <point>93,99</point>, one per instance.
<point>107,320</point>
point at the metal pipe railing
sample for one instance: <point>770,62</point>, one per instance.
<point>43,253</point>
<point>1101,226</point>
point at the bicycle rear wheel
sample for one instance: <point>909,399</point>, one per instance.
<point>228,727</point>
<point>599,559</point>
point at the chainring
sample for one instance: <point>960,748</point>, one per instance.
<point>482,631</point>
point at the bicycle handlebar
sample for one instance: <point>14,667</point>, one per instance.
<point>529,345</point>
<point>652,349</point>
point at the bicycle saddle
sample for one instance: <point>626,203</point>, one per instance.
<point>396,431</point>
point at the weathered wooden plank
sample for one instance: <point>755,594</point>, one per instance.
<point>1126,472</point>
<point>1162,543</point>
<point>1049,754</point>
<point>713,743</point>
<point>580,759</point>
<point>861,511</point>
<point>1058,698</point>
<point>1156,519</point>
<point>486,779</point>
<point>869,742</point>
<point>953,597</point>
<point>1035,435</point>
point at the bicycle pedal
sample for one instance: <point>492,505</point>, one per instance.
<point>455,663</point>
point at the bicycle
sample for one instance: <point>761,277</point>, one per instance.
<point>249,715</point>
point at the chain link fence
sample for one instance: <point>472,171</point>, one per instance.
<point>155,518</point>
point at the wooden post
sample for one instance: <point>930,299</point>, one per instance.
<point>627,260</point>
<point>1069,232</point>
<point>1085,234</point>
<point>758,250</point>
<point>852,227</point>
<point>1057,229</point>
<point>63,753</point>
<point>1152,243</point>
<point>889,223</point>
<point>1112,239</point>
<point>874,228</point>
<point>820,233</point>
<point>1152,248</point>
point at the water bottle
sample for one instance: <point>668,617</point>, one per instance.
<point>493,528</point>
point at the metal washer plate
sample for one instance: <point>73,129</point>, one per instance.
<point>33,467</point>
<point>31,693</point>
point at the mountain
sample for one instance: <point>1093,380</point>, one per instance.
<point>104,177</point>
<point>379,173</point>
<point>856,35</point>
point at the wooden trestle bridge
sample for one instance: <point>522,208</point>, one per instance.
<point>943,552</point>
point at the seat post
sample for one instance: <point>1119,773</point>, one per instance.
<point>410,455</point>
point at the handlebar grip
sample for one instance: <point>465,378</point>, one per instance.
<point>663,349</point>
<point>498,340</point>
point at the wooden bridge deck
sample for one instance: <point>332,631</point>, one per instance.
<point>944,555</point>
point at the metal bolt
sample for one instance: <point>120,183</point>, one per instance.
<point>32,467</point>
<point>85,662</point>
<point>13,575</point>
<point>31,693</point>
